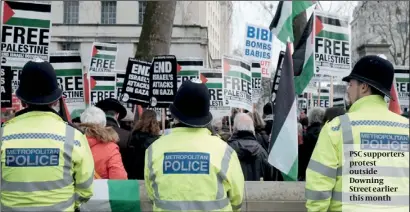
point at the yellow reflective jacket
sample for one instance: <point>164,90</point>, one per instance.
<point>46,164</point>
<point>190,170</point>
<point>341,176</point>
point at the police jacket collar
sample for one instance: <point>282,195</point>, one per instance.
<point>204,131</point>
<point>28,112</point>
<point>375,101</point>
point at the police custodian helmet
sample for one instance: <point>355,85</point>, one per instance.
<point>375,71</point>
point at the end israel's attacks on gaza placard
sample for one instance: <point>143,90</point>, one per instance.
<point>214,81</point>
<point>189,68</point>
<point>68,68</point>
<point>332,44</point>
<point>136,82</point>
<point>103,57</point>
<point>119,85</point>
<point>163,80</point>
<point>25,32</point>
<point>237,85</point>
<point>258,47</point>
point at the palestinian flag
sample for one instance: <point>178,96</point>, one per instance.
<point>189,67</point>
<point>27,14</point>
<point>120,79</point>
<point>213,80</point>
<point>331,28</point>
<point>283,152</point>
<point>66,63</point>
<point>303,58</point>
<point>104,51</point>
<point>102,83</point>
<point>114,195</point>
<point>282,23</point>
<point>238,69</point>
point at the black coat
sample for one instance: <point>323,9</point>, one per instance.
<point>124,136</point>
<point>251,154</point>
<point>306,149</point>
<point>134,164</point>
<point>262,137</point>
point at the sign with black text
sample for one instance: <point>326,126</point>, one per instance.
<point>136,82</point>
<point>163,80</point>
<point>6,88</point>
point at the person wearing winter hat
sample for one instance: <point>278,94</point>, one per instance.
<point>368,121</point>
<point>45,156</point>
<point>190,154</point>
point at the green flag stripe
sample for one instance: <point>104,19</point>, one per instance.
<point>256,74</point>
<point>286,31</point>
<point>102,56</point>
<point>321,98</point>
<point>124,195</point>
<point>333,35</point>
<point>29,22</point>
<point>214,85</point>
<point>188,73</point>
<point>402,80</point>
<point>69,72</point>
<point>293,172</point>
<point>103,88</point>
<point>239,75</point>
<point>304,78</point>
<point>119,84</point>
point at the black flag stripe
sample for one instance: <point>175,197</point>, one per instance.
<point>238,63</point>
<point>106,48</point>
<point>191,63</point>
<point>332,21</point>
<point>103,78</point>
<point>212,75</point>
<point>15,5</point>
<point>65,59</point>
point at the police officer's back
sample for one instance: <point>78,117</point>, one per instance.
<point>368,128</point>
<point>47,165</point>
<point>190,169</point>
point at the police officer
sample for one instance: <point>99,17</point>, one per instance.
<point>47,165</point>
<point>190,169</point>
<point>346,146</point>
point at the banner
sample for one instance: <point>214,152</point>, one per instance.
<point>6,88</point>
<point>258,46</point>
<point>136,82</point>
<point>119,84</point>
<point>237,82</point>
<point>103,57</point>
<point>189,69</point>
<point>214,81</point>
<point>256,82</point>
<point>403,86</point>
<point>332,44</point>
<point>163,81</point>
<point>25,32</point>
<point>68,67</point>
<point>102,86</point>
<point>276,78</point>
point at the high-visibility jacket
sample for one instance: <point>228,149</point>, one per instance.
<point>190,170</point>
<point>332,184</point>
<point>47,165</point>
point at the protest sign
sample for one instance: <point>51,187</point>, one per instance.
<point>102,86</point>
<point>258,47</point>
<point>324,101</point>
<point>403,86</point>
<point>256,82</point>
<point>6,88</point>
<point>332,44</point>
<point>237,84</point>
<point>163,81</point>
<point>119,84</point>
<point>189,69</point>
<point>68,68</point>
<point>25,32</point>
<point>136,82</point>
<point>103,57</point>
<point>276,78</point>
<point>214,81</point>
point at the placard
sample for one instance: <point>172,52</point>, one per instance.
<point>103,57</point>
<point>136,85</point>
<point>214,81</point>
<point>256,82</point>
<point>163,81</point>
<point>6,88</point>
<point>102,86</point>
<point>189,69</point>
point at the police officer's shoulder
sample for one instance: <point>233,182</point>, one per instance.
<point>75,127</point>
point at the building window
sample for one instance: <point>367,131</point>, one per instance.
<point>70,46</point>
<point>108,12</point>
<point>141,11</point>
<point>71,9</point>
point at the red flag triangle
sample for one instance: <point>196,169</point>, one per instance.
<point>319,26</point>
<point>203,78</point>
<point>178,68</point>
<point>93,83</point>
<point>227,67</point>
<point>7,13</point>
<point>95,51</point>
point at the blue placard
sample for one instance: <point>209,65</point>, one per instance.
<point>258,42</point>
<point>384,141</point>
<point>32,157</point>
<point>186,163</point>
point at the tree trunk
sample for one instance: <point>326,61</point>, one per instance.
<point>299,24</point>
<point>155,38</point>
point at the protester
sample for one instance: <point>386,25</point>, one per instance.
<point>127,123</point>
<point>368,117</point>
<point>300,134</point>
<point>102,140</point>
<point>146,131</point>
<point>59,184</point>
<point>261,136</point>
<point>268,117</point>
<point>315,117</point>
<point>217,184</point>
<point>332,113</point>
<point>252,156</point>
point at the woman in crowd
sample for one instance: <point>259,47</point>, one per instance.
<point>146,131</point>
<point>102,141</point>
<point>260,133</point>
